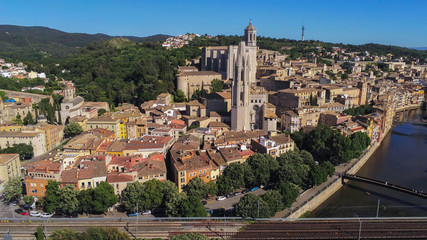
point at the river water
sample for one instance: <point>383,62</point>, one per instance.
<point>401,160</point>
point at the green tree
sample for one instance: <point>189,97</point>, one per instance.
<point>65,234</point>
<point>274,201</point>
<point>52,197</point>
<point>179,96</point>
<point>262,165</point>
<point>68,199</point>
<point>152,195</point>
<point>72,129</point>
<point>184,206</point>
<point>169,190</point>
<point>18,120</point>
<point>85,197</point>
<point>288,191</point>
<point>13,189</point>
<point>216,85</point>
<point>189,236</point>
<point>224,185</point>
<point>292,168</point>
<point>101,111</point>
<point>212,188</point>
<point>252,206</point>
<point>28,200</point>
<point>197,188</point>
<point>28,120</point>
<point>39,234</point>
<point>131,196</point>
<point>94,233</point>
<point>103,197</point>
<point>25,151</point>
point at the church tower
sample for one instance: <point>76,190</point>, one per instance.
<point>244,76</point>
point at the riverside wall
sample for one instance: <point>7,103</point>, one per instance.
<point>335,183</point>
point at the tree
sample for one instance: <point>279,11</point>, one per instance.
<point>18,120</point>
<point>68,199</point>
<point>52,197</point>
<point>179,96</point>
<point>85,200</point>
<point>212,188</point>
<point>25,151</point>
<point>72,129</point>
<point>224,185</point>
<point>152,195</point>
<point>39,234</point>
<point>13,189</point>
<point>189,236</point>
<point>169,190</point>
<point>28,120</point>
<point>105,233</point>
<point>292,168</point>
<point>184,206</point>
<point>103,197</point>
<point>131,196</point>
<point>101,111</point>
<point>65,234</point>
<point>216,85</point>
<point>288,192</point>
<point>28,200</point>
<point>262,165</point>
<point>274,201</point>
<point>197,188</point>
<point>252,206</point>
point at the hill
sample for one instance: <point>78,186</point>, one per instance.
<point>42,44</point>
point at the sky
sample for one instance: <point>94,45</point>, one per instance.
<point>391,22</point>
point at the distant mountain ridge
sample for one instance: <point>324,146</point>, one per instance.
<point>420,48</point>
<point>35,43</point>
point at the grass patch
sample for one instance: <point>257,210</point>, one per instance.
<point>305,215</point>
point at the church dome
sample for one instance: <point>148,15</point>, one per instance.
<point>250,26</point>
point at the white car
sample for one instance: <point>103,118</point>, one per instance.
<point>148,212</point>
<point>34,214</point>
<point>221,198</point>
<point>46,215</point>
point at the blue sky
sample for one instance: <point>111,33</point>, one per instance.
<point>394,22</point>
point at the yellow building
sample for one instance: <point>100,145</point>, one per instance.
<point>9,166</point>
<point>11,127</point>
<point>54,134</point>
<point>81,120</point>
<point>106,122</point>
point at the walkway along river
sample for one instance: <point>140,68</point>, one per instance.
<point>401,159</point>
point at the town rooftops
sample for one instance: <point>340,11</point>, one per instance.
<point>5,158</point>
<point>44,166</point>
<point>119,177</point>
<point>18,134</point>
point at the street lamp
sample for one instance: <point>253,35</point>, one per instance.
<point>360,225</point>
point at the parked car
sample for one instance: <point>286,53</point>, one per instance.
<point>237,193</point>
<point>221,198</point>
<point>46,215</point>
<point>230,195</point>
<point>204,202</point>
<point>253,189</point>
<point>246,191</point>
<point>148,212</point>
<point>133,214</point>
<point>34,214</point>
<point>25,213</point>
<point>19,210</point>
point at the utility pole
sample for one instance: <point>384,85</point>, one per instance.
<point>378,207</point>
<point>137,215</point>
<point>360,226</point>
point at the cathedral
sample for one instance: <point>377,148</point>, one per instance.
<point>249,103</point>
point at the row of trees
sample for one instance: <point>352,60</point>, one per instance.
<point>360,110</point>
<point>164,196</point>
<point>68,200</point>
<point>326,144</point>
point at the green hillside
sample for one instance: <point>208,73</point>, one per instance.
<point>42,44</point>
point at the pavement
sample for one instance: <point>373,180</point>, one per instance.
<point>229,202</point>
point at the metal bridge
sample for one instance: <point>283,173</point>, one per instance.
<point>383,184</point>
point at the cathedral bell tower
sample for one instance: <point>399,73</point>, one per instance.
<point>250,35</point>
<point>244,76</point>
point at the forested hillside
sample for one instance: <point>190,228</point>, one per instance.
<point>42,44</point>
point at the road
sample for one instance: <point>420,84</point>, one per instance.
<point>229,202</point>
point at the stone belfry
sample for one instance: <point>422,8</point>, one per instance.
<point>244,76</point>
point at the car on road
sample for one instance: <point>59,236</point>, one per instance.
<point>254,189</point>
<point>221,198</point>
<point>204,202</point>
<point>237,193</point>
<point>246,191</point>
<point>34,214</point>
<point>133,214</point>
<point>148,212</point>
<point>25,213</point>
<point>230,195</point>
<point>46,215</point>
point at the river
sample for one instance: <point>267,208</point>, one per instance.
<point>402,160</point>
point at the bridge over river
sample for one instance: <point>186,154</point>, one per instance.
<point>383,184</point>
